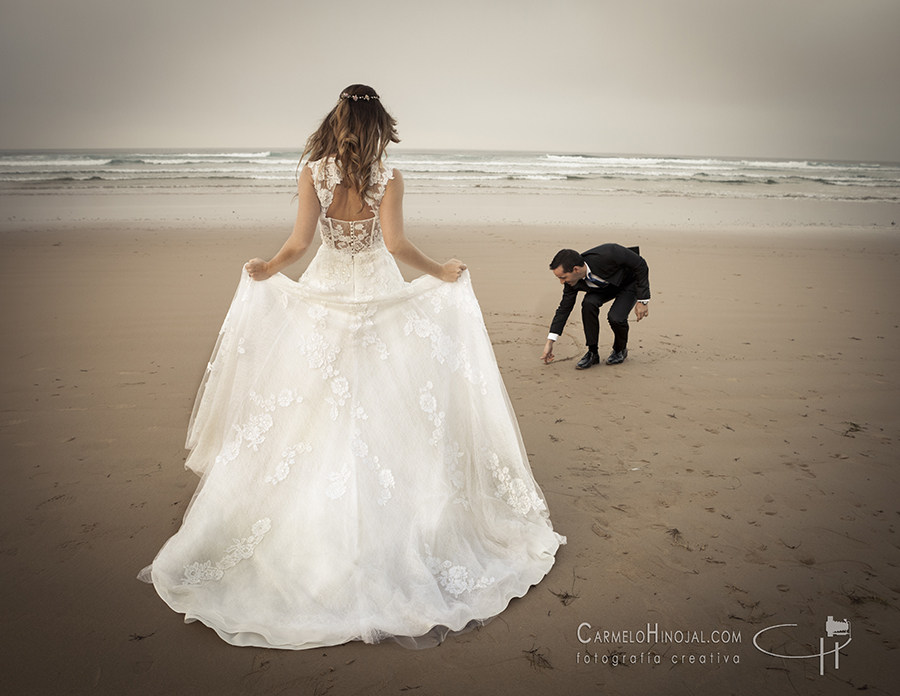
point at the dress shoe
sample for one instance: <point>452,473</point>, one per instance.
<point>617,357</point>
<point>590,358</point>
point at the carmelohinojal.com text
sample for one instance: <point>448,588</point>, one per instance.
<point>654,636</point>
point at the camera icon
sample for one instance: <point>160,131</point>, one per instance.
<point>837,628</point>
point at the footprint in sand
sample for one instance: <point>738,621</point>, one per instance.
<point>599,528</point>
<point>804,469</point>
<point>60,499</point>
<point>590,504</point>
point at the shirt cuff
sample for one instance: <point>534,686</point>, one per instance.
<point>553,337</point>
<point>643,302</point>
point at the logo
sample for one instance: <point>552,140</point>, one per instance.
<point>833,629</point>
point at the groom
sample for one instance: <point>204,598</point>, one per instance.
<point>604,273</point>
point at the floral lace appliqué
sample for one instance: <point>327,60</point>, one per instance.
<point>240,550</point>
<point>362,330</point>
<point>445,349</point>
<point>445,295</point>
<point>338,485</point>
<point>385,478</point>
<point>288,459</point>
<point>428,403</point>
<point>253,430</point>
<point>514,491</point>
<point>284,398</point>
<point>340,387</point>
<point>319,354</point>
<point>454,578</point>
<point>453,454</point>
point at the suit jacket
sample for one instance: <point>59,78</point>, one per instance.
<point>617,265</point>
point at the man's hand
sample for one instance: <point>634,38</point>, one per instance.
<point>547,357</point>
<point>641,310</point>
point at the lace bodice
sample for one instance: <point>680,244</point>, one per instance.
<point>342,235</point>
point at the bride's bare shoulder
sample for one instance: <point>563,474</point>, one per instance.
<point>395,181</point>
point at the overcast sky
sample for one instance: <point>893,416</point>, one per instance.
<point>809,79</point>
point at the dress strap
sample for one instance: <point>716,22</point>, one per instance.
<point>326,175</point>
<point>379,177</point>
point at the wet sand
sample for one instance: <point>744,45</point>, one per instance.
<point>737,472</point>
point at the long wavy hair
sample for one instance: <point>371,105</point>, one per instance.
<point>356,133</point>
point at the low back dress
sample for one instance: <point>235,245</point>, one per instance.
<point>363,476</point>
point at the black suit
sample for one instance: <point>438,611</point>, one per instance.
<point>628,280</point>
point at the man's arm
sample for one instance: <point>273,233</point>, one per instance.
<point>616,260</point>
<point>642,280</point>
<point>626,257</point>
<point>566,304</point>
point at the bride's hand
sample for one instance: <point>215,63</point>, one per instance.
<point>257,269</point>
<point>452,270</point>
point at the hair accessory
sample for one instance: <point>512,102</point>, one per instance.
<point>356,97</point>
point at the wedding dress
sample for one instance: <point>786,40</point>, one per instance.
<point>363,474</point>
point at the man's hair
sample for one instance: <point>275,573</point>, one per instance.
<point>568,259</point>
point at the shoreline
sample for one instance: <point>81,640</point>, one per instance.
<point>237,209</point>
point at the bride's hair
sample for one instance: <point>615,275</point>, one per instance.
<point>356,132</point>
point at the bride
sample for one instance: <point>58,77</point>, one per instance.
<point>363,474</point>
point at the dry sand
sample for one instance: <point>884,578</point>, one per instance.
<point>737,472</point>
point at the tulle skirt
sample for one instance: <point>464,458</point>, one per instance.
<point>362,472</point>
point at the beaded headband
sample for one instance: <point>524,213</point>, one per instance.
<point>356,97</point>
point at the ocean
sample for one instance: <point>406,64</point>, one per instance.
<point>249,171</point>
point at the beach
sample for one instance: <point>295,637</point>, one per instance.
<point>724,492</point>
